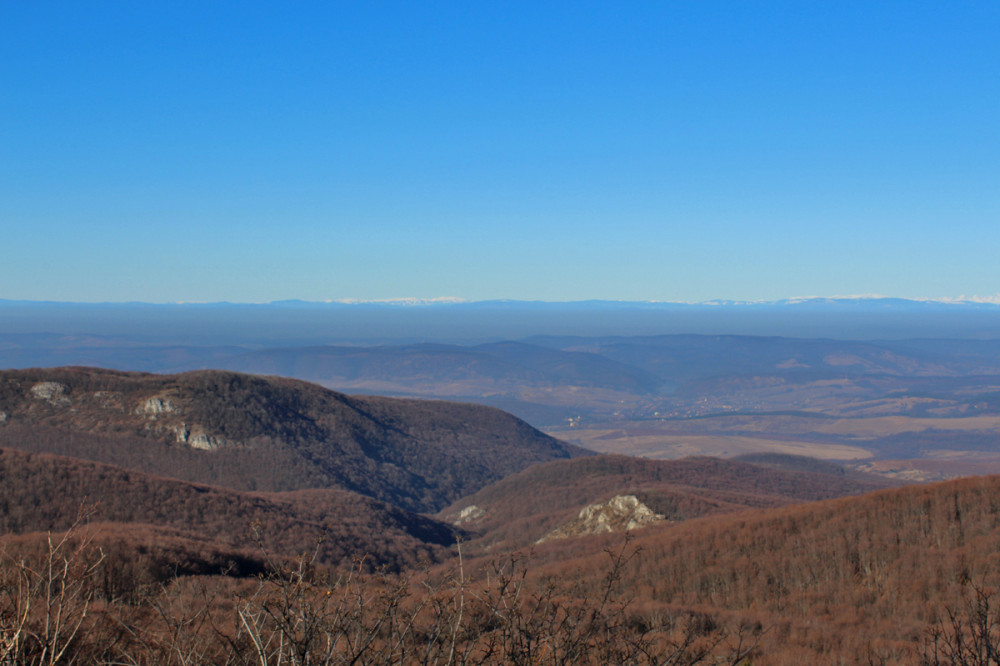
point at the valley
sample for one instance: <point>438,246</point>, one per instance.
<point>680,499</point>
<point>918,408</point>
<point>915,447</point>
<point>499,334</point>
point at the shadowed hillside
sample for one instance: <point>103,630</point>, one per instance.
<point>257,433</point>
<point>40,492</point>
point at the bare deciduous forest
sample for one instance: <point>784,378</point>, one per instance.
<point>779,561</point>
<point>899,576</point>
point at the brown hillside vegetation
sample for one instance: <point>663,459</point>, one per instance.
<point>766,562</point>
<point>524,507</point>
<point>57,606</point>
<point>853,580</point>
<point>902,576</point>
<point>254,433</point>
<point>40,493</point>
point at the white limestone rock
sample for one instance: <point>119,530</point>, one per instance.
<point>197,438</point>
<point>155,406</point>
<point>52,392</point>
<point>620,513</point>
<point>469,514</point>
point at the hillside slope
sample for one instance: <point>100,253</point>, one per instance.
<point>526,506</point>
<point>256,433</point>
<point>867,579</point>
<point>41,492</point>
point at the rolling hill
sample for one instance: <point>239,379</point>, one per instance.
<point>766,549</point>
<point>145,514</point>
<point>524,507</point>
<point>255,433</point>
<point>663,396</point>
<point>897,576</point>
<point>447,370</point>
<point>884,577</point>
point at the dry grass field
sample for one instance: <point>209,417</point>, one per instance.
<point>932,447</point>
<point>650,444</point>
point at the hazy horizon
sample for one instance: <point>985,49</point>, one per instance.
<point>298,323</point>
<point>453,300</point>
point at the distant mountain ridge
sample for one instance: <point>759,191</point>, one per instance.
<point>501,367</point>
<point>550,380</point>
<point>301,323</point>
<point>869,299</point>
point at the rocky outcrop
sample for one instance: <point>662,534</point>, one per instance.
<point>469,514</point>
<point>51,392</point>
<point>162,412</point>
<point>155,406</point>
<point>618,514</point>
<point>197,439</point>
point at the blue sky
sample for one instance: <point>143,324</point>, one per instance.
<point>678,151</point>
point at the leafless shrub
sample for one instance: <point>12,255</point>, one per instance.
<point>970,636</point>
<point>45,602</point>
<point>303,614</point>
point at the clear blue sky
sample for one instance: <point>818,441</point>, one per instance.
<point>203,151</point>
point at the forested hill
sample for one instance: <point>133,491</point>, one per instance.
<point>256,433</point>
<point>182,525</point>
<point>871,579</point>
<point>524,507</point>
